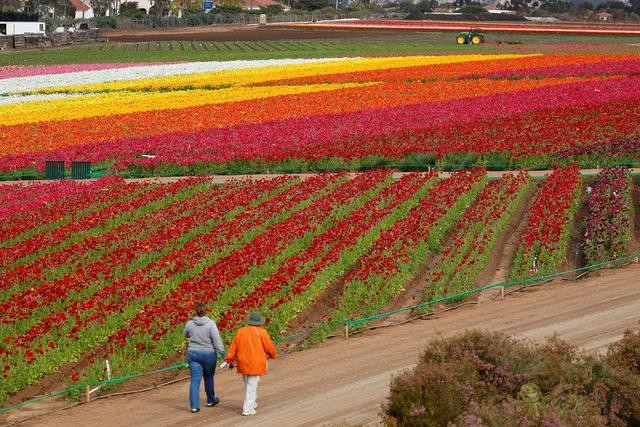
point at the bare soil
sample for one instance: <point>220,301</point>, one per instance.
<point>228,33</point>
<point>636,206</point>
<point>346,380</point>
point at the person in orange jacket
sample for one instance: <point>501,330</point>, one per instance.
<point>249,350</point>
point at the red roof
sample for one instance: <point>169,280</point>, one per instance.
<point>603,14</point>
<point>79,5</point>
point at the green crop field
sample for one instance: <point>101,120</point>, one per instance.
<point>378,44</point>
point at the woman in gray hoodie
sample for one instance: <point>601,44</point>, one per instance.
<point>204,343</point>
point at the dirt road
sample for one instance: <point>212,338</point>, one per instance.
<point>347,379</point>
<point>222,33</point>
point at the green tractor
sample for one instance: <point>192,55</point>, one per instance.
<point>473,36</point>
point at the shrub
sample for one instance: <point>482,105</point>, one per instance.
<point>106,21</point>
<point>625,354</point>
<point>475,379</point>
<point>496,161</point>
<point>457,161</point>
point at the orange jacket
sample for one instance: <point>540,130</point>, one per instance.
<point>250,348</point>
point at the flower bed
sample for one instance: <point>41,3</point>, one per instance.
<point>380,274</point>
<point>609,227</point>
<point>525,110</point>
<point>477,232</point>
<point>542,247</point>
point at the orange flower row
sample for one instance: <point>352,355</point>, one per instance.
<point>46,136</point>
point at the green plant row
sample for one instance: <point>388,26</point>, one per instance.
<point>70,347</point>
<point>334,271</point>
<point>128,359</point>
<point>364,297</point>
<point>91,254</point>
<point>472,252</point>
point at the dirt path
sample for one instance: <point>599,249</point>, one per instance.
<point>221,179</point>
<point>232,33</point>
<point>347,380</point>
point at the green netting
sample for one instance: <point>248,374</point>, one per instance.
<point>91,384</point>
<point>534,279</point>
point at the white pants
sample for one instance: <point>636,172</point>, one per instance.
<point>250,393</point>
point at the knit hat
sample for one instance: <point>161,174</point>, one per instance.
<point>255,319</point>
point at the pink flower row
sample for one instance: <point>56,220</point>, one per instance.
<point>629,67</point>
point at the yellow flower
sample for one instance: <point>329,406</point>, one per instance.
<point>250,76</point>
<point>107,104</point>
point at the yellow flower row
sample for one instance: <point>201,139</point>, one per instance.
<point>107,104</point>
<point>249,76</point>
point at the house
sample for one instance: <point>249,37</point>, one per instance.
<point>14,28</point>
<point>603,16</point>
<point>83,10</point>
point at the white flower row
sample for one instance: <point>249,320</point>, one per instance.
<point>24,84</point>
<point>17,99</point>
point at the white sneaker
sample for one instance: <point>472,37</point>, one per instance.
<point>252,412</point>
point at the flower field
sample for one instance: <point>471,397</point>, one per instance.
<point>497,111</point>
<point>505,27</point>
<point>114,268</point>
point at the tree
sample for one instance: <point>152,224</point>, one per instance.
<point>130,9</point>
<point>473,9</point>
<point>311,4</point>
<point>272,9</point>
<point>160,8</point>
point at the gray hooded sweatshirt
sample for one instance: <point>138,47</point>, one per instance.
<point>203,335</point>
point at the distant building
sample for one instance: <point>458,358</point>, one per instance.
<point>492,9</point>
<point>14,28</point>
<point>603,16</point>
<point>83,10</point>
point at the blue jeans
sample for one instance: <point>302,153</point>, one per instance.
<point>201,363</point>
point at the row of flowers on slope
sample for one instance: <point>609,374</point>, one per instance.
<point>250,76</point>
<point>608,230</point>
<point>104,305</point>
<point>542,246</point>
<point>72,81</point>
<point>476,234</point>
<point>381,273</point>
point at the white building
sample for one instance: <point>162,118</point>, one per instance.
<point>85,11</point>
<point>16,28</point>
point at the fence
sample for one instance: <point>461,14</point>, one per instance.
<point>347,324</point>
<point>201,19</point>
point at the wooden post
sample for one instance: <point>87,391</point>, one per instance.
<point>502,293</point>
<point>87,393</point>
<point>346,330</point>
